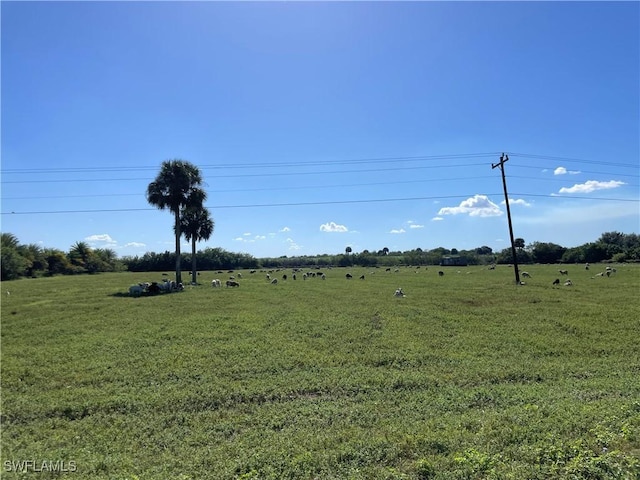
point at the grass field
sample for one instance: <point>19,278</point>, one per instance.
<point>467,377</point>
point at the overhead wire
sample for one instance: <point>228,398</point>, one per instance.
<point>236,165</point>
<point>360,161</point>
<point>326,202</point>
<point>306,187</point>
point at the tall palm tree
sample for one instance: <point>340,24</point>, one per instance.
<point>176,187</point>
<point>197,225</point>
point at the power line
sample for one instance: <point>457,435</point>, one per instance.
<point>306,187</point>
<point>372,160</point>
<point>269,189</point>
<point>580,172</point>
<point>254,165</point>
<point>571,160</point>
<point>289,174</point>
<point>331,202</point>
<point>247,175</point>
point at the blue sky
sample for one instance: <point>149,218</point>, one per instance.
<point>319,126</point>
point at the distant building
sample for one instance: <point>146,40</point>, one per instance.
<point>454,261</point>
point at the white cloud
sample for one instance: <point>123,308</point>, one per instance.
<point>284,229</point>
<point>564,171</point>
<point>415,225</point>
<point>591,186</point>
<point>293,245</point>
<point>103,238</point>
<point>244,238</point>
<point>333,227</point>
<point>135,244</point>
<point>248,234</point>
<point>476,206</point>
<point>397,231</point>
<point>437,219</point>
<point>518,201</point>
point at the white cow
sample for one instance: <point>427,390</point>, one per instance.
<point>136,290</point>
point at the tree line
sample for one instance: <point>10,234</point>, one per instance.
<point>178,188</point>
<point>32,260</point>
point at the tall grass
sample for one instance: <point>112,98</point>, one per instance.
<point>468,376</point>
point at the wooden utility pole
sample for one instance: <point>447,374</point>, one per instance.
<point>505,158</point>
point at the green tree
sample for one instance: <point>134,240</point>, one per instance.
<point>348,250</point>
<point>80,254</point>
<point>107,259</point>
<point>484,250</point>
<point>573,255</point>
<point>518,243</point>
<point>13,264</point>
<point>612,238</point>
<point>35,258</point>
<point>547,252</point>
<point>177,186</point>
<point>57,261</point>
<point>197,225</point>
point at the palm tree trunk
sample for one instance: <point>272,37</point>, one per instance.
<point>193,260</point>
<point>178,235</point>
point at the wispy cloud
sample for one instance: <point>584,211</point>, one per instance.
<point>476,206</point>
<point>135,244</point>
<point>293,245</point>
<point>284,229</point>
<point>244,238</point>
<point>591,186</point>
<point>333,227</point>
<point>101,239</point>
<point>437,219</point>
<point>415,225</point>
<point>564,171</point>
<point>516,201</point>
<point>395,231</point>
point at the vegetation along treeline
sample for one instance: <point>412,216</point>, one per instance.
<point>178,188</point>
<point>32,260</point>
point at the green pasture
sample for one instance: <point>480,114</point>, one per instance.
<point>467,377</point>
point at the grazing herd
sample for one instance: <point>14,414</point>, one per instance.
<point>155,288</point>
<point>168,286</point>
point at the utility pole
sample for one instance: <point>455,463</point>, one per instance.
<point>505,158</point>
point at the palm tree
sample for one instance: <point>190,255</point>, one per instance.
<point>80,253</point>
<point>9,240</point>
<point>197,225</point>
<point>177,186</point>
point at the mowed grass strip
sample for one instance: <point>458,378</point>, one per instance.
<point>468,376</point>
